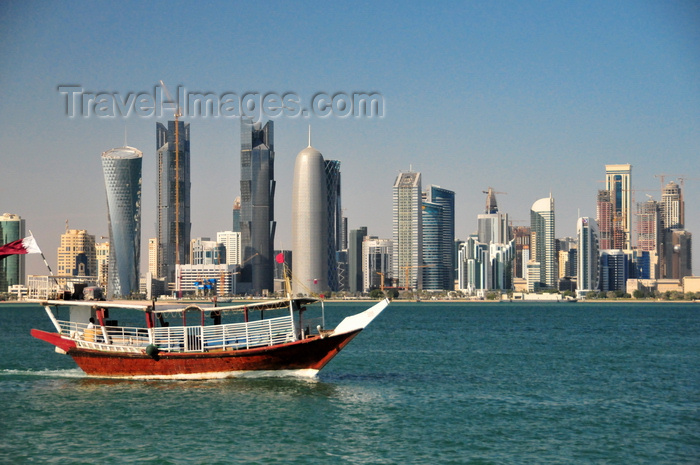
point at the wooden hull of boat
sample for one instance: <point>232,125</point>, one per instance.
<point>300,358</point>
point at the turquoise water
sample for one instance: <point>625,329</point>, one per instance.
<point>427,383</point>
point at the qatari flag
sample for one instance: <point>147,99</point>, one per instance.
<point>19,247</point>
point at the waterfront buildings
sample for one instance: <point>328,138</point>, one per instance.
<point>257,225</point>
<point>473,273</point>
<point>122,172</point>
<point>204,251</point>
<point>486,258</point>
<point>12,228</point>
<point>173,226</point>
<point>210,279</point>
<point>542,244</point>
<point>310,224</point>
<point>407,229</point>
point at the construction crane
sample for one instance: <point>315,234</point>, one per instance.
<point>406,268</point>
<point>381,280</point>
<point>240,267</point>
<point>178,114</point>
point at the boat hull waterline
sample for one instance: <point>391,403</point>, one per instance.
<point>303,358</point>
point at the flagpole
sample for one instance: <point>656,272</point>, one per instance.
<point>46,263</point>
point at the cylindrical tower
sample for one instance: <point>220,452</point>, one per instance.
<point>122,172</point>
<point>309,224</point>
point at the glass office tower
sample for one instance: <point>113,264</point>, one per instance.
<point>257,224</point>
<point>12,266</point>
<point>173,225</point>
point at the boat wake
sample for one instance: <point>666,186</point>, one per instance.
<point>68,373</point>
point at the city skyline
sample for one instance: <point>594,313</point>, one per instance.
<point>529,99</point>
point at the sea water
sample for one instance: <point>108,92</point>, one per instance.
<point>425,383</point>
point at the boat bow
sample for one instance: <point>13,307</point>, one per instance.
<point>361,320</point>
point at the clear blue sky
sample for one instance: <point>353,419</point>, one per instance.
<point>527,97</point>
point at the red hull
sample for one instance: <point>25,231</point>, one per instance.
<point>310,354</point>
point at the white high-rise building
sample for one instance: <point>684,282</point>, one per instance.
<point>408,230</point>
<point>232,241</point>
<point>542,242</point>
<point>376,262</point>
<point>309,224</point>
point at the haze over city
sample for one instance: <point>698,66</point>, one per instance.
<point>528,98</point>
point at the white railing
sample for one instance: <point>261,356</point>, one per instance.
<point>93,337</point>
<point>232,336</point>
<point>248,335</point>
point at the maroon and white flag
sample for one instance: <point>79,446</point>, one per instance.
<point>19,247</point>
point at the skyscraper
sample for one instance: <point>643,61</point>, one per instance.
<point>310,223</point>
<point>122,172</point>
<point>650,234</point>
<point>618,180</point>
<point>492,226</point>
<point>438,208</point>
<point>258,224</point>
<point>677,243</point>
<point>614,270</point>
<point>153,257</point>
<point>173,227</point>
<point>521,235</point>
<point>355,278</point>
<point>588,252</point>
<point>12,228</point>
<point>604,218</point>
<point>542,244</point>
<point>408,230</point>
<point>433,273</point>
<point>335,220</point>
<point>680,262</point>
<point>672,207</point>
